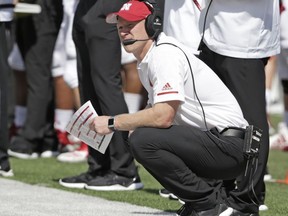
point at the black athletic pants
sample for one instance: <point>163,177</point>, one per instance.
<point>246,80</point>
<point>4,70</point>
<point>185,160</point>
<point>99,64</point>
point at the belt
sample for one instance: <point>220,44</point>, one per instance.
<point>233,132</point>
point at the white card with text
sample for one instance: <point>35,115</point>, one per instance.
<point>79,127</point>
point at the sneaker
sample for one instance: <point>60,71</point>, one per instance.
<point>79,181</point>
<point>67,142</point>
<point>113,182</point>
<point>79,155</point>
<point>280,140</point>
<point>22,148</point>
<point>263,207</point>
<point>285,148</point>
<point>187,210</point>
<point>6,173</point>
<point>268,178</point>
<point>167,194</point>
<point>73,139</point>
<point>23,155</point>
<point>48,154</point>
<point>238,213</point>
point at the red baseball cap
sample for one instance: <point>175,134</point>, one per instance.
<point>133,10</point>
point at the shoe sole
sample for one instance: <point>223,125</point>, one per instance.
<point>72,161</point>
<point>62,158</point>
<point>72,185</point>
<point>72,157</point>
<point>48,154</point>
<point>117,187</point>
<point>22,155</point>
<point>168,196</point>
<point>263,207</point>
<point>227,212</point>
<point>6,174</point>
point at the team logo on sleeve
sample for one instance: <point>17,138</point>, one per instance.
<point>166,87</point>
<point>167,90</point>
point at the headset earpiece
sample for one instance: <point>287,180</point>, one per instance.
<point>153,23</point>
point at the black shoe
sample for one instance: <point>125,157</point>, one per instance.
<point>113,182</point>
<point>238,213</point>
<point>22,148</point>
<point>79,181</point>
<point>167,194</point>
<point>6,172</point>
<point>187,210</point>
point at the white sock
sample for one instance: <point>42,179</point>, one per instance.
<point>133,101</point>
<point>62,118</point>
<point>20,115</point>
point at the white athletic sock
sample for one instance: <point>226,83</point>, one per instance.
<point>62,118</point>
<point>20,115</point>
<point>133,101</point>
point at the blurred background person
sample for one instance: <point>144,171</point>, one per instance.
<point>6,16</point>
<point>280,139</point>
<point>99,72</point>
<point>240,63</point>
<point>66,86</point>
<point>36,36</point>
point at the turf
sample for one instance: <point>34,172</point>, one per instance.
<point>46,172</point>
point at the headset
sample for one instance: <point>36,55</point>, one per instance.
<point>153,22</point>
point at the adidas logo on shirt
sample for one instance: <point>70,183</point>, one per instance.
<point>166,87</point>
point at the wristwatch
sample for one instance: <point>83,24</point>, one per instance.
<point>111,123</point>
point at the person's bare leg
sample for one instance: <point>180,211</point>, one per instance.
<point>270,70</point>
<point>76,94</point>
<point>64,109</point>
<point>64,98</point>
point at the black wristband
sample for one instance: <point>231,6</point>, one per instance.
<point>111,123</point>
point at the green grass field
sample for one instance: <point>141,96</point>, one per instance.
<point>46,172</point>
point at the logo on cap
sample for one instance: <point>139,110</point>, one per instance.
<point>126,6</point>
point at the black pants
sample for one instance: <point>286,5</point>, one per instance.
<point>36,36</point>
<point>99,64</point>
<point>246,80</point>
<point>4,70</point>
<point>186,160</point>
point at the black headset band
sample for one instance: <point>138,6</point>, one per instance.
<point>153,22</point>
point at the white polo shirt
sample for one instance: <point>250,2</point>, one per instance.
<point>181,20</point>
<point>6,14</point>
<point>166,75</point>
<point>284,26</point>
<point>242,28</point>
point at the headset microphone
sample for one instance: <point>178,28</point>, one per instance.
<point>132,41</point>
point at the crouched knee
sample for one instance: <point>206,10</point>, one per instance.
<point>138,143</point>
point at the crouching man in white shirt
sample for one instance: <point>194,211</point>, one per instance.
<point>191,135</point>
